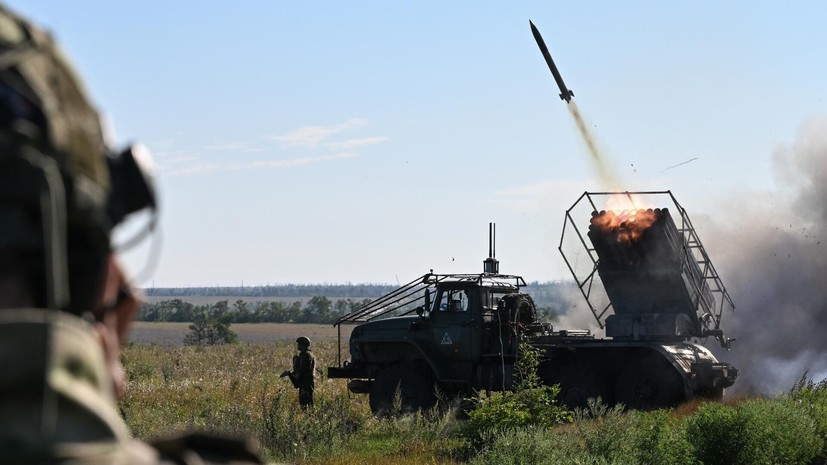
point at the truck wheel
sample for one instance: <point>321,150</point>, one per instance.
<point>401,389</point>
<point>521,309</point>
<point>649,384</point>
<point>579,384</point>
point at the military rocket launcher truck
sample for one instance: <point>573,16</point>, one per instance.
<point>645,276</point>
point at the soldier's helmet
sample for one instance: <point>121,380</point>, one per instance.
<point>62,190</point>
<point>303,342</point>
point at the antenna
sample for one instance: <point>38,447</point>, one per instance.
<point>490,240</point>
<point>490,264</point>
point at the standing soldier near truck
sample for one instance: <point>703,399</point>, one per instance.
<point>302,376</point>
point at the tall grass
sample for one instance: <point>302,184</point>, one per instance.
<point>234,389</point>
<point>598,436</point>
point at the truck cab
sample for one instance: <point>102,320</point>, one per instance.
<point>455,333</point>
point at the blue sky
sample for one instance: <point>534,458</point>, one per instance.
<point>305,142</point>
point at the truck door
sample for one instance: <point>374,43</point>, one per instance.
<point>455,332</point>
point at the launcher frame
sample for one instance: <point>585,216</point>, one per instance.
<point>583,259</point>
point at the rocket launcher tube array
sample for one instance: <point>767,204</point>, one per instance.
<point>643,266</point>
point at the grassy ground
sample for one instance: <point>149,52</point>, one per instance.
<point>172,334</point>
<point>235,389</point>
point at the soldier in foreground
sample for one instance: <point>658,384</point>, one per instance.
<point>65,305</point>
<point>303,374</point>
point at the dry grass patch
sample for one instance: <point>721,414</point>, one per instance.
<point>172,334</point>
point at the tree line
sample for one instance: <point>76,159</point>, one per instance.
<point>551,298</point>
<point>280,290</point>
<point>318,309</point>
<point>544,293</point>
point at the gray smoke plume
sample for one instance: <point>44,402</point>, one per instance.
<point>578,314</point>
<point>772,255</point>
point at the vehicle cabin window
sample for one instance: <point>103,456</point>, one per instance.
<point>453,300</point>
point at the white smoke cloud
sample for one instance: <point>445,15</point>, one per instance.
<point>578,316</point>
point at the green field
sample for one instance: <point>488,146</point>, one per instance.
<point>235,389</point>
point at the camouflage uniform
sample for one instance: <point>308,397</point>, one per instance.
<point>304,367</point>
<point>303,374</point>
<point>57,382</point>
<point>57,403</point>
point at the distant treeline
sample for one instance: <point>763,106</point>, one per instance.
<point>318,309</point>
<point>280,290</point>
<point>552,299</point>
<point>544,294</point>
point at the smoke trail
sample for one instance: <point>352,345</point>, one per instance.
<point>599,162</point>
<point>773,257</point>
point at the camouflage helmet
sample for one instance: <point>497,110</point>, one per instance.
<point>303,342</point>
<point>45,105</point>
<point>60,187</point>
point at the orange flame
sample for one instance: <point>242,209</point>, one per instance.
<point>626,225</point>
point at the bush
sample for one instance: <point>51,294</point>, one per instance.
<point>211,330</point>
<point>662,440</point>
<point>598,436</point>
<point>508,410</point>
<point>754,432</point>
<point>606,434</point>
<point>716,434</point>
<point>530,446</point>
<point>530,405</point>
<point>811,397</point>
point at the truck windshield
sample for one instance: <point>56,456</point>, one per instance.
<point>453,300</point>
